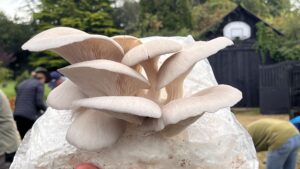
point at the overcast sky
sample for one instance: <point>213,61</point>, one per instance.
<point>14,8</point>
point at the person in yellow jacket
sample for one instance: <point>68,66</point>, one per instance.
<point>280,138</point>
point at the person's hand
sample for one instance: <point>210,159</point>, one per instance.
<point>86,166</point>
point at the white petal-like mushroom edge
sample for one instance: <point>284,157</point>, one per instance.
<point>149,50</point>
<point>75,45</point>
<point>127,42</point>
<point>180,113</point>
<point>105,78</point>
<point>183,61</point>
<point>147,54</point>
<point>129,108</point>
<point>94,130</point>
<point>62,96</point>
<point>208,100</point>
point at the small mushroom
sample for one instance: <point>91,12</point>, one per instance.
<point>147,54</point>
<point>127,42</point>
<point>128,108</point>
<point>94,130</point>
<point>105,78</point>
<point>150,50</point>
<point>176,67</point>
<point>75,45</point>
<point>182,61</point>
<point>62,96</point>
<point>185,111</point>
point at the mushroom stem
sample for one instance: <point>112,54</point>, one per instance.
<point>151,70</point>
<point>175,88</point>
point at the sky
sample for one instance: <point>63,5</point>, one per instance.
<point>14,8</point>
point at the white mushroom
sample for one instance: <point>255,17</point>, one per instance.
<point>150,50</point>
<point>176,67</point>
<point>118,107</point>
<point>62,96</point>
<point>75,45</point>
<point>147,54</point>
<point>105,78</point>
<point>94,130</point>
<point>182,61</point>
<point>127,42</point>
<point>187,110</point>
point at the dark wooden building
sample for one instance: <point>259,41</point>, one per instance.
<point>238,65</point>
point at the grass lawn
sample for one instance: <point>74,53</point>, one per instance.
<point>246,116</point>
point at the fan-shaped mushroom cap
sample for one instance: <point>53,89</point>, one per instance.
<point>105,78</point>
<point>62,96</point>
<point>207,100</point>
<point>183,61</point>
<point>127,42</point>
<point>150,50</point>
<point>75,45</point>
<point>94,130</point>
<point>122,104</point>
<point>128,108</point>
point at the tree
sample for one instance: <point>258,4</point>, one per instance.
<point>12,36</point>
<point>209,13</point>
<point>92,16</point>
<point>265,8</point>
<point>127,16</point>
<point>166,17</point>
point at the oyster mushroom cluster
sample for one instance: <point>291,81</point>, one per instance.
<point>116,82</point>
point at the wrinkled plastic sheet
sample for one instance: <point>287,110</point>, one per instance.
<point>214,141</point>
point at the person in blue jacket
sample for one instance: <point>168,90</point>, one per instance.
<point>30,100</point>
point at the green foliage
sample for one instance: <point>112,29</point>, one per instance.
<point>265,8</point>
<point>277,47</point>
<point>5,74</point>
<point>92,16</point>
<point>22,76</point>
<point>127,16</point>
<point>12,36</point>
<point>209,13</point>
<point>9,89</point>
<point>164,17</point>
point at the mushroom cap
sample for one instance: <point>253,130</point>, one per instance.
<point>181,62</point>
<point>62,96</point>
<point>121,104</point>
<point>207,100</point>
<point>75,45</point>
<point>127,42</point>
<point>105,78</point>
<point>150,50</point>
<point>94,130</point>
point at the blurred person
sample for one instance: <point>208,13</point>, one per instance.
<point>280,138</point>
<point>9,136</point>
<point>296,122</point>
<point>30,100</point>
<point>56,79</point>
